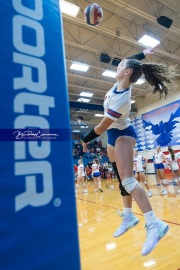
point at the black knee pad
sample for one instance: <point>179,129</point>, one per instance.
<point>123,191</point>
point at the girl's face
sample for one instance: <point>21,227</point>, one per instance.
<point>157,149</point>
<point>122,71</point>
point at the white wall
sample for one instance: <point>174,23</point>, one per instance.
<point>152,102</point>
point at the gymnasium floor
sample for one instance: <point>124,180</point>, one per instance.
<point>98,218</point>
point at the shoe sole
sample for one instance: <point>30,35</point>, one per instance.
<point>163,232</point>
<point>130,226</point>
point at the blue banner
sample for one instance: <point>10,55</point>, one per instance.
<point>38,225</point>
<point>160,127</point>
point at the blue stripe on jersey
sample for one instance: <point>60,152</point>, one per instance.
<point>114,114</point>
<point>116,92</point>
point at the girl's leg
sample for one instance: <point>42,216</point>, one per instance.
<point>177,174</point>
<point>156,228</point>
<point>129,220</point>
<point>77,184</point>
<point>143,179</point>
<point>163,181</point>
<point>127,200</point>
<point>84,182</point>
<point>95,184</point>
<point>99,183</point>
<point>124,149</point>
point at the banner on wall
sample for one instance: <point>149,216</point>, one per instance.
<point>38,224</point>
<point>158,127</point>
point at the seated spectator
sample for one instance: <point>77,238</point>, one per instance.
<point>89,171</point>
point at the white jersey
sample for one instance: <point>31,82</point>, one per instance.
<point>159,157</point>
<point>95,167</point>
<point>117,106</point>
<point>81,170</point>
<point>139,163</point>
<point>174,163</point>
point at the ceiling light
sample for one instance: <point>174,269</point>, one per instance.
<point>140,81</point>
<point>85,94</point>
<point>76,130</point>
<point>99,115</point>
<point>69,8</point>
<point>133,101</point>
<point>79,67</point>
<point>149,41</point>
<point>109,73</point>
<point>83,100</point>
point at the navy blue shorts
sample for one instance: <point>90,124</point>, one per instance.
<point>159,166</point>
<point>96,174</point>
<point>115,133</point>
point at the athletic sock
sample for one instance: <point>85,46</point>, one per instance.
<point>127,211</point>
<point>149,216</point>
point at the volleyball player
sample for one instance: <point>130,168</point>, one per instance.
<point>159,166</point>
<point>172,159</point>
<point>80,177</point>
<point>96,175</point>
<point>122,139</point>
<point>139,168</point>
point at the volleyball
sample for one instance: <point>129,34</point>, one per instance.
<point>93,14</point>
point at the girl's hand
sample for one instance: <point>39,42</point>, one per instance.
<point>85,147</point>
<point>149,50</point>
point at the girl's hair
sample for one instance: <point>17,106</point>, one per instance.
<point>171,151</point>
<point>97,161</point>
<point>80,161</point>
<point>157,75</point>
<point>159,148</point>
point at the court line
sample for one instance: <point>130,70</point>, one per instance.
<point>170,222</point>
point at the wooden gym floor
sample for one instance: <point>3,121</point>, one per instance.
<point>98,218</point>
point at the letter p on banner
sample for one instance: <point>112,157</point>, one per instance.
<point>38,224</point>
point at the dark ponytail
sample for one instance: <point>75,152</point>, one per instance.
<point>157,75</point>
<point>171,151</point>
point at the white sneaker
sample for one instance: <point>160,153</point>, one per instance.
<point>149,193</point>
<point>164,192</point>
<point>129,221</point>
<point>112,187</point>
<point>101,189</point>
<point>178,190</point>
<point>85,191</point>
<point>155,231</point>
<point>161,191</point>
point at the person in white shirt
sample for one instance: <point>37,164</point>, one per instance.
<point>122,139</point>
<point>172,159</point>
<point>139,170</point>
<point>159,157</point>
<point>80,177</point>
<point>96,175</point>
